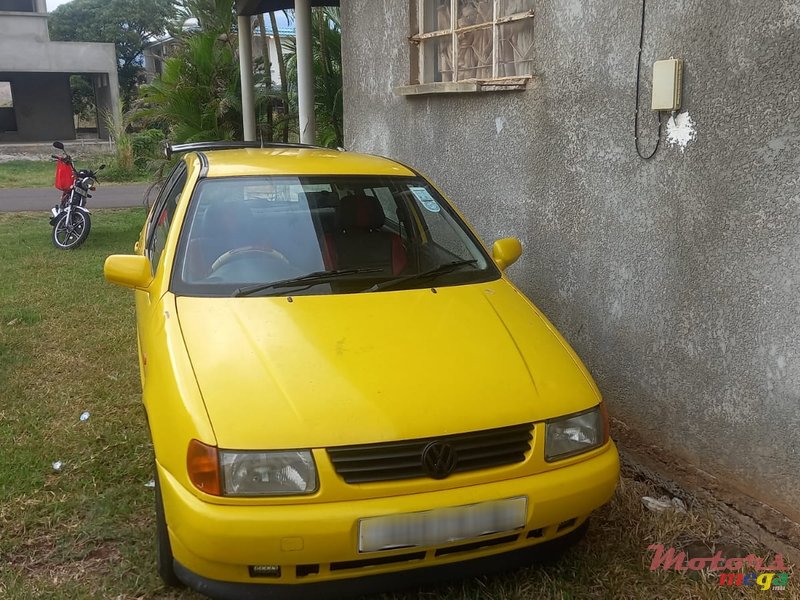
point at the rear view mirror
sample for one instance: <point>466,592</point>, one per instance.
<point>506,251</point>
<point>58,145</point>
<point>128,270</point>
<point>101,167</point>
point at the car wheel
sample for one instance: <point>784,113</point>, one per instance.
<point>164,559</point>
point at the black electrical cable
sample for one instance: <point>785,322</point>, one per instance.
<point>636,114</point>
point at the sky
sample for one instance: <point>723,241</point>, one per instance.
<point>53,4</point>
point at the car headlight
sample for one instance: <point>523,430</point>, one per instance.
<point>247,473</point>
<point>575,434</point>
<point>250,473</point>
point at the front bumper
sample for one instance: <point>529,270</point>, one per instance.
<point>381,582</point>
<point>214,545</point>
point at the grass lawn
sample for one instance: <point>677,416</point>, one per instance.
<point>41,173</point>
<point>67,345</point>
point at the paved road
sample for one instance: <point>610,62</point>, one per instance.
<point>106,196</point>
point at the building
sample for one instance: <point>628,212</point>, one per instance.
<point>35,93</point>
<point>676,279</point>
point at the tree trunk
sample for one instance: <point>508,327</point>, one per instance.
<point>266,61</point>
<point>282,67</point>
<point>327,66</point>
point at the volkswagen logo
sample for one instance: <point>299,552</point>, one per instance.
<point>439,459</point>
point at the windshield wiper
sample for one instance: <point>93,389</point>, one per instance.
<point>304,280</point>
<point>440,270</point>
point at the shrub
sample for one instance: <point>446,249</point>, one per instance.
<point>146,146</point>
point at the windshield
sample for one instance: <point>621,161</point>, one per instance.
<point>322,235</point>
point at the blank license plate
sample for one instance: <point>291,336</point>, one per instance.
<point>441,525</point>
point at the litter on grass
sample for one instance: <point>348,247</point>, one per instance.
<point>58,466</point>
<point>664,503</point>
<point>85,416</point>
<point>150,484</point>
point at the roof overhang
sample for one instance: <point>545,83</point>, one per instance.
<point>256,7</point>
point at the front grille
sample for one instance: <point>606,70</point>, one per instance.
<point>380,560</point>
<point>475,545</point>
<point>390,461</point>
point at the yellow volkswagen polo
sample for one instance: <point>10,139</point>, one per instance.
<point>344,391</point>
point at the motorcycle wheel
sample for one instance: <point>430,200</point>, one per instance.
<point>69,237</point>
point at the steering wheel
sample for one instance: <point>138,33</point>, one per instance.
<point>245,251</point>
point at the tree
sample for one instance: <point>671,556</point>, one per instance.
<point>327,54</point>
<point>212,15</point>
<point>83,98</point>
<point>128,25</point>
<point>282,70</point>
<point>198,94</point>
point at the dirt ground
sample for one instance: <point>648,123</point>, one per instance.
<point>764,523</point>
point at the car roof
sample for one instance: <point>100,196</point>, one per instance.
<point>297,161</point>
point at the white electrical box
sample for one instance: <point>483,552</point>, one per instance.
<point>667,76</point>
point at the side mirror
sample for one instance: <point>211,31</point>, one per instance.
<point>101,167</point>
<point>128,270</point>
<point>506,251</point>
<point>58,145</point>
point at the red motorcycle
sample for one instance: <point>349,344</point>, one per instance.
<point>71,219</point>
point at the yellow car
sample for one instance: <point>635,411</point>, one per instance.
<point>344,391</point>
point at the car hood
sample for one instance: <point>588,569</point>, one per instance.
<point>328,370</point>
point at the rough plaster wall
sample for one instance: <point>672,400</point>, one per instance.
<point>677,279</point>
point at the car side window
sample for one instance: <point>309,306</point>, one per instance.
<point>163,219</point>
<point>158,205</point>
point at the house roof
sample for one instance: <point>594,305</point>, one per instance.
<point>283,31</point>
<point>255,7</point>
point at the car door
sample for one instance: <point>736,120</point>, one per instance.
<point>148,314</point>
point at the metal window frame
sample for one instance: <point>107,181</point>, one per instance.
<point>453,31</point>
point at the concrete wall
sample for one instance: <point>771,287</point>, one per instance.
<point>22,27</point>
<point>62,57</point>
<point>274,69</point>
<point>42,105</point>
<point>675,279</point>
<point>8,120</point>
<point>40,68</point>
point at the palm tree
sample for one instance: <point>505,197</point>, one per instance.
<point>282,70</point>
<point>327,54</point>
<point>212,15</point>
<point>198,95</point>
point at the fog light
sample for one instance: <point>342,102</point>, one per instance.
<point>265,570</point>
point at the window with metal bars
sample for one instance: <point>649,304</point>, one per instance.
<point>472,40</point>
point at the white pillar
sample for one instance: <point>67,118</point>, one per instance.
<point>305,71</point>
<point>246,72</point>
